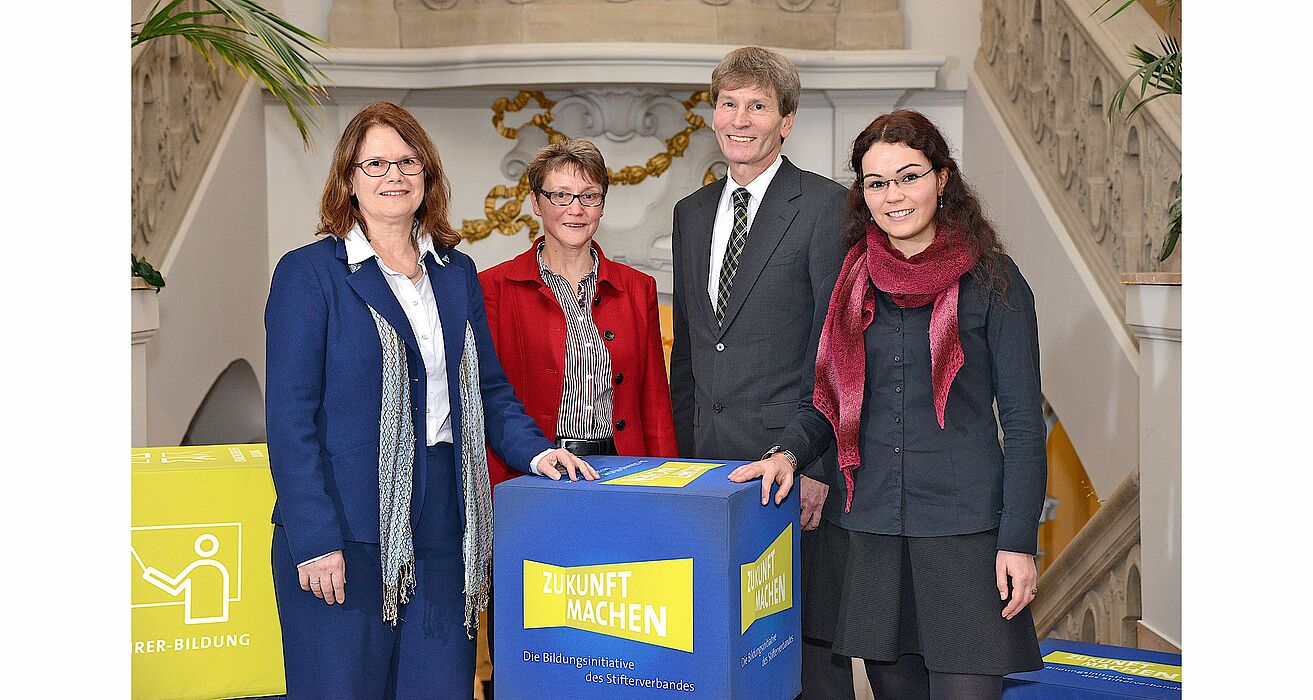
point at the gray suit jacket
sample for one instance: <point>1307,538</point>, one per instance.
<point>735,387</point>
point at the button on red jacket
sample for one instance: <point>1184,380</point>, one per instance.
<point>528,331</point>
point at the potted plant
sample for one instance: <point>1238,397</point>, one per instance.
<point>1159,74</point>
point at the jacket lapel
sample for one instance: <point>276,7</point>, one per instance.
<point>524,269</point>
<point>773,218</point>
<point>704,217</point>
<point>369,284</point>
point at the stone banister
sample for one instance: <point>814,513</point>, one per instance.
<point>1091,592</point>
<point>180,105</point>
<point>1051,70</point>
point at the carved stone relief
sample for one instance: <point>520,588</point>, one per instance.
<point>1091,592</point>
<point>1101,615</point>
<point>180,105</point>
<point>1110,181</point>
<point>621,122</point>
<point>809,24</point>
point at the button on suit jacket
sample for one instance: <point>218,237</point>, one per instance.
<point>735,386</point>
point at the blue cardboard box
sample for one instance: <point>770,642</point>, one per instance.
<point>1084,671</point>
<point>661,579</point>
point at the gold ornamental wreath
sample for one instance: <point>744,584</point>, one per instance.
<point>506,218</point>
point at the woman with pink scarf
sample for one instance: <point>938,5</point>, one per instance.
<point>928,550</point>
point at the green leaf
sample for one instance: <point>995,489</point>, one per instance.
<point>1173,226</point>
<point>1115,12</point>
<point>144,270</point>
<point>253,41</point>
<point>1161,73</point>
<point>1172,5</point>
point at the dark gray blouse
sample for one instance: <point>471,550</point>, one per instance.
<point>919,480</point>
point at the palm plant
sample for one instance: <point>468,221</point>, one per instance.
<point>253,41</point>
<point>1160,73</point>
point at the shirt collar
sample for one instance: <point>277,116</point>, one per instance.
<point>359,249</point>
<point>544,270</point>
<point>756,188</point>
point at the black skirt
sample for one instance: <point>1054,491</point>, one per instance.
<point>876,597</point>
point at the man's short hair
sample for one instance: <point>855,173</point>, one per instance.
<point>753,66</point>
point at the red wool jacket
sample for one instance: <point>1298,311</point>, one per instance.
<point>528,332</point>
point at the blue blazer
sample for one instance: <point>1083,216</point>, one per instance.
<point>324,389</point>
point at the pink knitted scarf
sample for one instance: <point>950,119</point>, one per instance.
<point>931,275</point>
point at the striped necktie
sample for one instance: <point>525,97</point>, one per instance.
<point>738,234</point>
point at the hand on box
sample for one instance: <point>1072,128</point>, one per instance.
<point>774,469</point>
<point>562,461</point>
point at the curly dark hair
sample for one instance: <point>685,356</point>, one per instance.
<point>960,210</point>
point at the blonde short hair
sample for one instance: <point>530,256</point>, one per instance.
<point>578,154</point>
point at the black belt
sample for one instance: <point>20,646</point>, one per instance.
<point>582,448</point>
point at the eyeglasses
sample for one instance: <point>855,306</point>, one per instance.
<point>564,199</point>
<point>377,167</point>
<point>904,181</point>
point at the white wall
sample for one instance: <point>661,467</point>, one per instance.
<point>1087,358</point>
<point>211,311</point>
<point>949,27</point>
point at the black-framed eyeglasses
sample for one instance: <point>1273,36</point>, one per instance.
<point>564,199</point>
<point>905,180</point>
<point>377,167</point>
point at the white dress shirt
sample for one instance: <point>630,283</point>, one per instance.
<point>724,224</point>
<point>421,307</point>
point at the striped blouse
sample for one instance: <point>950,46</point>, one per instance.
<point>586,395</point>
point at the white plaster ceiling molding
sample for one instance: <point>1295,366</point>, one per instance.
<point>807,24</point>
<point>588,64</point>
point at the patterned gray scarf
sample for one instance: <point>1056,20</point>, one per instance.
<point>396,462</point>
<point>477,544</point>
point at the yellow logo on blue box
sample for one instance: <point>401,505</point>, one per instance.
<point>766,585</point>
<point>604,608</point>
<point>670,474</point>
<point>643,601</point>
<point>1130,667</point>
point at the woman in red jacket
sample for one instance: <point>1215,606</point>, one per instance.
<point>601,386</point>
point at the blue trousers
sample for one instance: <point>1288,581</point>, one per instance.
<point>347,651</point>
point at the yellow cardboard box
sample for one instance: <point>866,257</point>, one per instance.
<point>204,621</point>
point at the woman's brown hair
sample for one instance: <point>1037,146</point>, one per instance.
<point>580,155</point>
<point>338,208</point>
<point>960,209</point>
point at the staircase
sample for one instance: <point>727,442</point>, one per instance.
<point>1082,201</point>
<point>198,215</point>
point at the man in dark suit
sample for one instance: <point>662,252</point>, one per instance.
<point>751,254</point>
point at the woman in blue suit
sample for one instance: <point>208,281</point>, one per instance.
<point>383,392</point>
